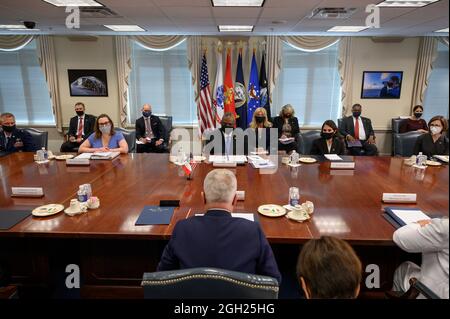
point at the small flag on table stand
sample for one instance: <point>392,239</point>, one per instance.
<point>189,166</point>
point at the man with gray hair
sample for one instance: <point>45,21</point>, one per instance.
<point>217,239</point>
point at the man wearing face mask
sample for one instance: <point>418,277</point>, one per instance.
<point>229,141</point>
<point>149,132</point>
<point>435,142</point>
<point>359,133</point>
<point>13,139</point>
<point>80,127</point>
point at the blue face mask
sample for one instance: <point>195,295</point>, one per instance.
<point>146,113</point>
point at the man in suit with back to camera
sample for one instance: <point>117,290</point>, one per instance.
<point>80,128</point>
<point>150,132</point>
<point>217,239</point>
<point>357,128</point>
<point>13,139</point>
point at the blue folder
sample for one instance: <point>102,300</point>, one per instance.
<point>393,218</point>
<point>9,218</point>
<point>155,215</point>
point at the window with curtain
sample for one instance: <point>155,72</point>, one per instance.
<point>309,81</point>
<point>162,79</point>
<point>436,95</point>
<point>23,89</point>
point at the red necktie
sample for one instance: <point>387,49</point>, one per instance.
<point>80,128</point>
<point>357,128</point>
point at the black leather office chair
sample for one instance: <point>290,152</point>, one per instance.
<point>208,283</point>
<point>395,127</point>
<point>404,143</point>
<point>416,288</point>
<point>130,137</point>
<point>305,141</point>
<point>167,124</point>
<point>40,138</point>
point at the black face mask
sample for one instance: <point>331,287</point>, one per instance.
<point>225,126</point>
<point>80,113</point>
<point>417,115</point>
<point>8,129</point>
<point>146,113</point>
<point>356,114</point>
<point>326,135</point>
<point>260,119</point>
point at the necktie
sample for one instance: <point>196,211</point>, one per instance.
<point>148,128</point>
<point>80,128</point>
<point>357,128</point>
<point>6,142</point>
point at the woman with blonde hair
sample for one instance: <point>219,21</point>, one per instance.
<point>288,128</point>
<point>261,124</point>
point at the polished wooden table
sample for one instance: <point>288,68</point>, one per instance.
<point>115,252</point>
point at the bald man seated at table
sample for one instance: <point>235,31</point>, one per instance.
<point>217,239</point>
<point>149,132</point>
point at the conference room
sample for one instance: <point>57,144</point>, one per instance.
<point>225,149</point>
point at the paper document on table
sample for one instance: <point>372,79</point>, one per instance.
<point>405,216</point>
<point>333,157</point>
<point>230,158</point>
<point>84,156</point>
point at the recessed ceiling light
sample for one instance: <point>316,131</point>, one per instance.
<point>12,26</point>
<point>442,30</point>
<point>406,3</point>
<point>237,3</point>
<point>235,28</point>
<point>125,28</point>
<point>347,28</point>
<point>74,3</point>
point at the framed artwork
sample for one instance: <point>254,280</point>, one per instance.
<point>381,84</point>
<point>88,82</point>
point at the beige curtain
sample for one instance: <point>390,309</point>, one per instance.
<point>14,42</point>
<point>47,61</point>
<point>274,57</point>
<point>426,56</point>
<point>310,44</point>
<point>123,60</point>
<point>345,66</point>
<point>159,42</point>
<point>194,51</point>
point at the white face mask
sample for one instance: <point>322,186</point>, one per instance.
<point>435,130</point>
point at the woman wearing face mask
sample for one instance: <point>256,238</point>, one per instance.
<point>287,125</point>
<point>104,139</point>
<point>415,122</point>
<point>260,123</point>
<point>435,142</point>
<point>330,141</point>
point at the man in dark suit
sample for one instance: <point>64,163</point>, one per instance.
<point>231,142</point>
<point>13,139</point>
<point>80,127</point>
<point>149,132</point>
<point>217,239</point>
<point>357,128</point>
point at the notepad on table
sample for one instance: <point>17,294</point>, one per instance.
<point>333,157</point>
<point>355,143</point>
<point>155,215</point>
<point>405,216</point>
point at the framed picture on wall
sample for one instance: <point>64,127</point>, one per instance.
<point>88,82</point>
<point>381,84</point>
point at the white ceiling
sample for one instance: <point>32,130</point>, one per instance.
<point>199,17</point>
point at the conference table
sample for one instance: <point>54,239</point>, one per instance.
<point>112,252</point>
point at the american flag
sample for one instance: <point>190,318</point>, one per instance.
<point>205,108</point>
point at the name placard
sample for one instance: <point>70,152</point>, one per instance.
<point>77,162</point>
<point>224,164</point>
<point>399,198</point>
<point>27,191</point>
<point>342,165</point>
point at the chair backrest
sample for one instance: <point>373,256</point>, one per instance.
<point>404,143</point>
<point>207,283</point>
<point>40,138</point>
<point>339,123</point>
<point>396,122</point>
<point>416,288</point>
<point>167,124</point>
<point>305,141</point>
<point>130,137</point>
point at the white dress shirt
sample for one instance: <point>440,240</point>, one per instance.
<point>362,133</point>
<point>432,241</point>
